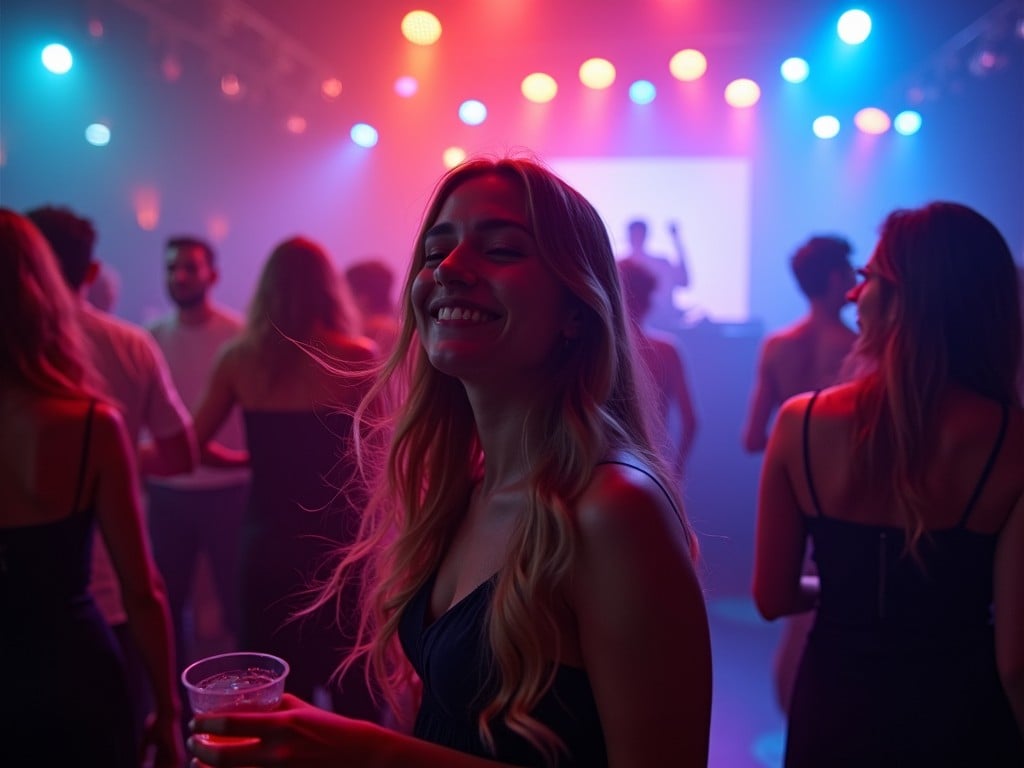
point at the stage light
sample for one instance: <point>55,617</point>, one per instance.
<point>642,92</point>
<point>170,67</point>
<point>742,93</point>
<point>95,28</point>
<point>146,202</point>
<point>597,73</point>
<point>231,86</point>
<point>97,134</point>
<point>57,58</point>
<point>825,127</point>
<point>472,112</point>
<point>421,27</point>
<point>872,120</point>
<point>217,227</point>
<point>539,88</point>
<point>854,27</point>
<point>794,70</point>
<point>453,156</point>
<point>330,88</point>
<point>907,122</point>
<point>295,124</point>
<point>406,86</point>
<point>364,135</point>
<point>687,65</point>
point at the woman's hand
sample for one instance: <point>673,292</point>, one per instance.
<point>296,734</point>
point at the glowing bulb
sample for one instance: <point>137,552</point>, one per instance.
<point>597,73</point>
<point>688,64</point>
<point>472,112</point>
<point>57,58</point>
<point>854,27</point>
<point>794,70</point>
<point>453,156</point>
<point>742,93</point>
<point>872,120</point>
<point>825,127</point>
<point>364,135</point>
<point>539,87</point>
<point>421,27</point>
<point>98,135</point>
<point>907,122</point>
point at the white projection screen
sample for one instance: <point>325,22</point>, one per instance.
<point>707,197</point>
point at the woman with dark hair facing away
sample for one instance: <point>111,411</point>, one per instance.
<point>528,568</point>
<point>908,481</point>
<point>66,466</point>
<point>297,421</point>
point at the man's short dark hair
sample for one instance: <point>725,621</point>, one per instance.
<point>187,241</point>
<point>71,237</point>
<point>816,260</point>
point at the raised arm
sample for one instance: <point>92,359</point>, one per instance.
<point>642,623</point>
<point>683,271</point>
<point>119,515</point>
<point>780,537</point>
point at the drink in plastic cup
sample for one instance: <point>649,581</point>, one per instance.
<point>234,682</point>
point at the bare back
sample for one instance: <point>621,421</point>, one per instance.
<point>806,357</point>
<point>967,434</point>
<point>42,440</point>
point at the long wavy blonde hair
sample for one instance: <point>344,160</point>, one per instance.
<point>948,281</point>
<point>40,342</point>
<point>420,456</point>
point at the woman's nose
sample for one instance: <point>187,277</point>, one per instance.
<point>455,268</point>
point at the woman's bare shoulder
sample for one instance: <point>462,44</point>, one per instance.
<point>623,502</point>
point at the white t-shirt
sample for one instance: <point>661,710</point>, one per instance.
<point>191,351</point>
<point>135,376</point>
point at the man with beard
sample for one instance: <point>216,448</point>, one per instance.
<point>200,513</point>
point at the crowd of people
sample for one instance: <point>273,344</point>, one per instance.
<point>454,505</point>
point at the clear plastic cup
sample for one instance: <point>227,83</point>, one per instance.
<point>234,682</point>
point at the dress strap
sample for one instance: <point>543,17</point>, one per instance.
<point>623,459</point>
<point>988,467</point>
<point>85,456</point>
<point>807,453</point>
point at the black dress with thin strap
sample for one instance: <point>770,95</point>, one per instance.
<point>899,668</point>
<point>64,697</point>
<point>452,657</point>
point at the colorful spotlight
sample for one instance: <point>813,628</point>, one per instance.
<point>907,122</point>
<point>597,73</point>
<point>472,112</point>
<point>795,70</point>
<point>421,28</point>
<point>642,92</point>
<point>742,93</point>
<point>57,58</point>
<point>539,88</point>
<point>826,127</point>
<point>854,27</point>
<point>688,65</point>
<point>364,135</point>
